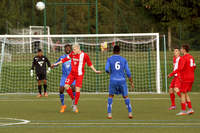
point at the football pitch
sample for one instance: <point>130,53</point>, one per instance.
<point>28,114</point>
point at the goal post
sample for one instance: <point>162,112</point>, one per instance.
<point>140,49</point>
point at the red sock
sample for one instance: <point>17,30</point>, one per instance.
<point>77,97</point>
<point>69,91</point>
<point>179,93</point>
<point>189,105</point>
<point>172,97</point>
<point>183,106</point>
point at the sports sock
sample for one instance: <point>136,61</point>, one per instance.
<point>40,89</point>
<point>189,105</point>
<point>109,107</point>
<point>179,93</point>
<point>128,104</point>
<point>62,97</point>
<point>45,88</point>
<point>74,93</point>
<point>77,98</point>
<point>183,106</point>
<point>69,91</point>
<point>172,97</point>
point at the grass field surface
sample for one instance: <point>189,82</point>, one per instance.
<point>28,114</point>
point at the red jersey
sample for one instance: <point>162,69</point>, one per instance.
<point>176,63</point>
<point>187,68</point>
<point>78,62</point>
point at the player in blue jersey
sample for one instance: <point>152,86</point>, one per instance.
<point>117,67</point>
<point>66,69</point>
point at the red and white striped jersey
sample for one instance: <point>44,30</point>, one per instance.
<point>176,63</point>
<point>78,62</point>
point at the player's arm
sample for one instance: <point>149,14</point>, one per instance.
<point>89,63</point>
<point>33,65</point>
<point>128,73</point>
<point>61,61</point>
<point>107,67</point>
<point>48,64</point>
<point>181,65</point>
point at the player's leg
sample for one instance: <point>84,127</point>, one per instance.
<point>183,105</point>
<point>45,87</point>
<point>188,101</point>
<point>61,91</point>
<point>172,98</point>
<point>109,106</point>
<point>177,86</point>
<point>126,99</point>
<point>74,93</point>
<point>79,80</point>
<point>112,88</point>
<point>171,94</point>
<point>39,88</point>
<point>68,82</point>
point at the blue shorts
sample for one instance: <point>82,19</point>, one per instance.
<point>118,88</point>
<point>63,79</point>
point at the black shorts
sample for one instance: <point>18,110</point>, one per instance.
<point>41,76</point>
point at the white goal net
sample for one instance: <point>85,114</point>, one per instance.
<point>140,50</point>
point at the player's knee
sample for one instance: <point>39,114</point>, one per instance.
<point>125,97</point>
<point>78,89</point>
<point>111,96</point>
<point>62,90</point>
<point>171,90</point>
<point>45,81</point>
<point>67,87</point>
<point>176,90</point>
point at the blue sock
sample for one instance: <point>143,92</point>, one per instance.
<point>74,93</point>
<point>128,105</point>
<point>110,100</point>
<point>62,97</point>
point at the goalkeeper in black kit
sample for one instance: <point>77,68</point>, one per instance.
<point>39,64</point>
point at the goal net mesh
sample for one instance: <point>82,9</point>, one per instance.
<point>17,54</point>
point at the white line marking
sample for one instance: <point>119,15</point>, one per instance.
<point>114,123</point>
<point>18,123</point>
<point>83,99</point>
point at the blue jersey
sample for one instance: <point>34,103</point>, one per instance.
<point>66,67</point>
<point>117,66</point>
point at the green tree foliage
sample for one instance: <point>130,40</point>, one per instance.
<point>115,16</point>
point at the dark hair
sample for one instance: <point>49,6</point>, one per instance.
<point>39,50</point>
<point>176,47</point>
<point>67,45</point>
<point>116,49</point>
<point>186,47</point>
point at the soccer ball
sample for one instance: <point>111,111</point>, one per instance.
<point>40,5</point>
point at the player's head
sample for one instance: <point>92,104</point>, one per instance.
<point>185,49</point>
<point>76,48</point>
<point>176,51</point>
<point>40,52</point>
<point>67,48</point>
<point>116,49</point>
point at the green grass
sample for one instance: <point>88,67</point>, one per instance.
<point>151,115</point>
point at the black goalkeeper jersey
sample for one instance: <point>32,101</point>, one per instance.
<point>39,63</point>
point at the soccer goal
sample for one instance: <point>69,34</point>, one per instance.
<point>140,50</point>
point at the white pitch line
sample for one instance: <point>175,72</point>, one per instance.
<point>114,123</point>
<point>18,123</point>
<point>86,99</point>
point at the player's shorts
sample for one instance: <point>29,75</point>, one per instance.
<point>41,76</point>
<point>176,83</point>
<point>186,87</point>
<point>63,79</point>
<point>118,88</point>
<point>72,77</point>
